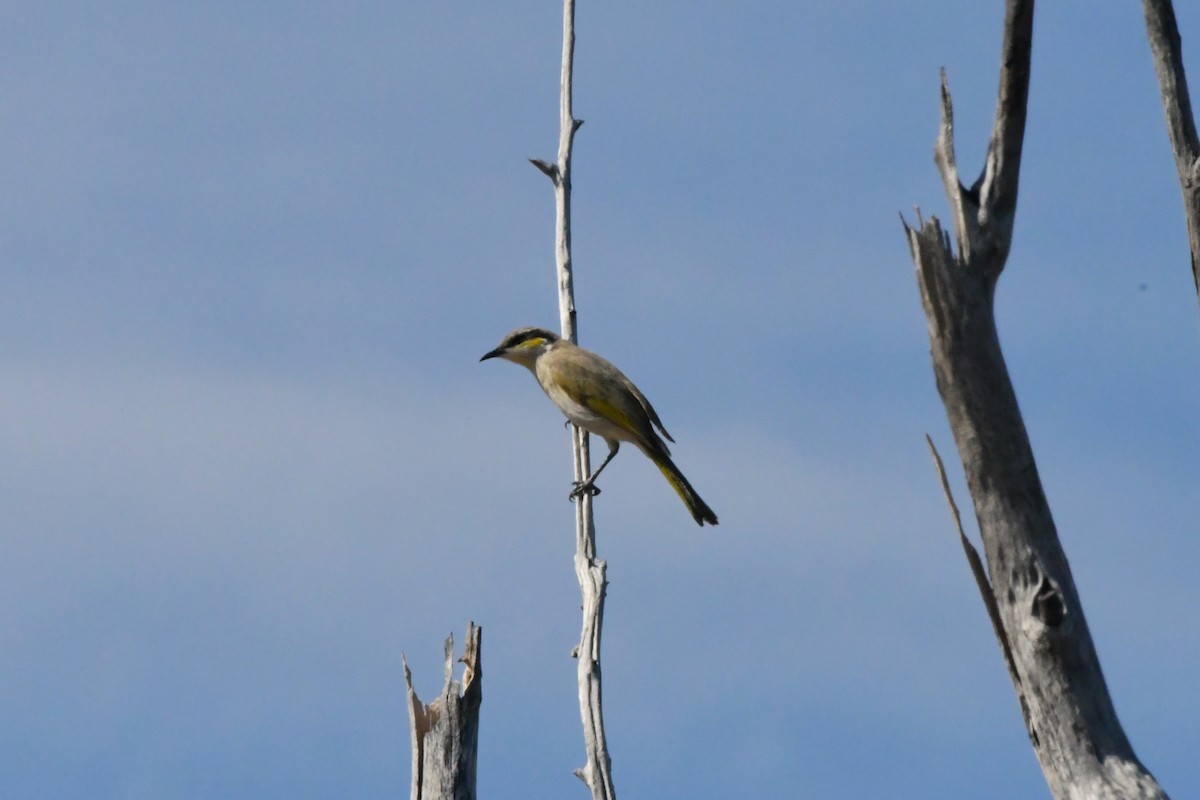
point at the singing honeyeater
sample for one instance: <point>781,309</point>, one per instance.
<point>596,396</point>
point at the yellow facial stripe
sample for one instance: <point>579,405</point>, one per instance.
<point>537,341</point>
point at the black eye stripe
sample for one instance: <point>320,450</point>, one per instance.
<point>518,337</point>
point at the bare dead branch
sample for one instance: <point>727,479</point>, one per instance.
<point>1047,646</point>
<point>1167,49</point>
<point>590,570</point>
<point>997,186</point>
<point>984,214</point>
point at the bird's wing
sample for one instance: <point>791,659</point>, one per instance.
<point>630,411</point>
<point>649,409</point>
<point>601,389</point>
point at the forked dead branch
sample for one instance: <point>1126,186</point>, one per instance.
<point>1028,590</point>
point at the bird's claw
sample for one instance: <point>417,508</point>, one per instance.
<point>579,487</point>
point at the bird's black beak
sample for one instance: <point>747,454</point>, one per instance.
<point>492,354</point>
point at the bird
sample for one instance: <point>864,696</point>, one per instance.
<point>597,397</point>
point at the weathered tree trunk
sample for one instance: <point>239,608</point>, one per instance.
<point>445,733</point>
<point>590,570</point>
<point>1052,661</point>
<point>1181,125</point>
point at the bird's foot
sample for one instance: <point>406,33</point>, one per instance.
<point>579,487</point>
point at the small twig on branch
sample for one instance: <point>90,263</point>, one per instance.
<point>548,169</point>
<point>956,193</point>
<point>978,571</point>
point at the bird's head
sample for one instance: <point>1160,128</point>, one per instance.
<point>523,346</point>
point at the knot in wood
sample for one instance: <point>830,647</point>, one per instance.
<point>1048,604</point>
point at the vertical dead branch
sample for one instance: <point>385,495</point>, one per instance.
<point>445,733</point>
<point>590,570</point>
<point>1054,668</point>
<point>1167,50</point>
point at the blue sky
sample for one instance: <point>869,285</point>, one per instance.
<point>248,457</point>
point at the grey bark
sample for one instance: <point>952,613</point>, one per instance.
<point>589,569</point>
<point>1044,636</point>
<point>1167,49</point>
<point>445,733</point>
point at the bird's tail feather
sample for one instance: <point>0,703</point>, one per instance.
<point>698,508</point>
